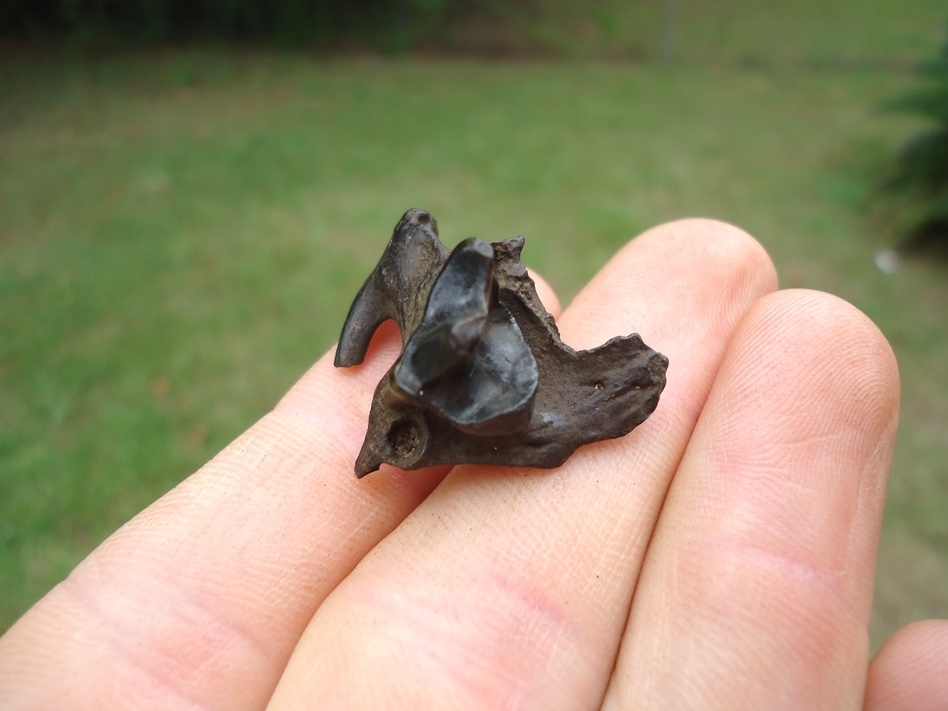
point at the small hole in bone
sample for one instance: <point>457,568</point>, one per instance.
<point>404,438</point>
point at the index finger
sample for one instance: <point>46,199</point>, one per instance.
<point>200,599</point>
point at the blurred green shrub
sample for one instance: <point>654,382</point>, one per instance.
<point>917,189</point>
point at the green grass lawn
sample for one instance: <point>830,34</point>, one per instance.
<point>181,234</point>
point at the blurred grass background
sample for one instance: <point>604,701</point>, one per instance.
<point>182,230</point>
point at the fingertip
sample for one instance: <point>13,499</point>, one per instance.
<point>547,296</point>
<point>772,518</point>
<point>670,273</point>
<point>862,369</point>
<point>910,671</point>
<point>820,378</point>
<point>702,246</point>
<point>707,232</point>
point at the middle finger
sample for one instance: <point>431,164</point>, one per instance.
<point>509,586</point>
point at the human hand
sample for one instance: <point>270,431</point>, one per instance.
<point>720,556</point>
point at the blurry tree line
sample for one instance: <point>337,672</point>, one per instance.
<point>387,24</point>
